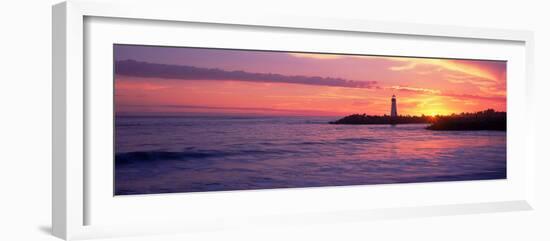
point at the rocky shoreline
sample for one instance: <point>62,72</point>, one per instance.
<point>482,120</point>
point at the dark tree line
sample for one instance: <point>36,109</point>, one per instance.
<point>482,120</point>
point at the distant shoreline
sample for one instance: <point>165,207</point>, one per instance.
<point>477,121</point>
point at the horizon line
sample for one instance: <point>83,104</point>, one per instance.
<point>218,114</point>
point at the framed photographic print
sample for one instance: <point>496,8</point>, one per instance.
<point>177,121</point>
<point>204,119</point>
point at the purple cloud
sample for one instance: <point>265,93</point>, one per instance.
<point>184,72</point>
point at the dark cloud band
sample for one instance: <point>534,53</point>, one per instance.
<point>181,72</point>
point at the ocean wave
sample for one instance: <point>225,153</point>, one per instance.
<point>129,157</point>
<point>359,140</point>
<point>151,156</point>
<point>312,143</point>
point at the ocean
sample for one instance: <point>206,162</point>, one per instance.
<point>197,154</point>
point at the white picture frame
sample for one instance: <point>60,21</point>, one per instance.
<point>72,188</point>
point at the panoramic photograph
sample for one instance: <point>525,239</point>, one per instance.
<point>204,119</point>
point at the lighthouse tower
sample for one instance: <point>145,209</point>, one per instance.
<point>393,107</point>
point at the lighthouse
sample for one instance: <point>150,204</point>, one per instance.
<point>393,107</point>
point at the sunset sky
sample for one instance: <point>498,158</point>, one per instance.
<point>165,80</point>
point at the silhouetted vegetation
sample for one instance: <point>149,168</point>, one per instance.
<point>483,120</point>
<point>357,119</point>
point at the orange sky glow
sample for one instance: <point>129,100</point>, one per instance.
<point>172,81</point>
